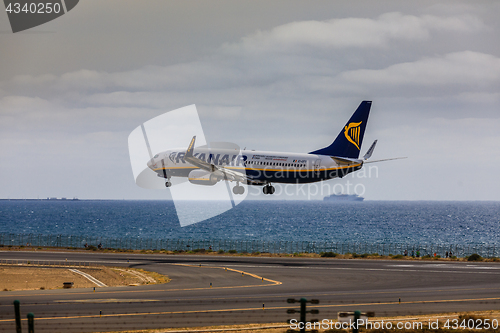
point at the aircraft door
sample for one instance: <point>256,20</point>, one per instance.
<point>317,164</point>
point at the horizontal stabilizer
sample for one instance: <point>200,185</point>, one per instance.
<point>370,150</point>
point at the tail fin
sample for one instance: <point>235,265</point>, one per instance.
<point>348,142</point>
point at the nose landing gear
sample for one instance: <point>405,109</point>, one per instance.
<point>238,189</point>
<point>268,189</point>
<point>168,183</point>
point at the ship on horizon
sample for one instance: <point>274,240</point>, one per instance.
<point>341,197</point>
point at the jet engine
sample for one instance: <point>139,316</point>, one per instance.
<point>202,177</point>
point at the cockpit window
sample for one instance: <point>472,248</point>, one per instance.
<point>156,155</point>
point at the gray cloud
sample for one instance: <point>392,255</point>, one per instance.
<point>458,68</point>
<point>354,32</point>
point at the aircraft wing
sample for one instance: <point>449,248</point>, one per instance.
<point>219,171</point>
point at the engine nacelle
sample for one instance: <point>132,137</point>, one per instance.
<point>202,177</point>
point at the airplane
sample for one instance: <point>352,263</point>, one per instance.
<point>209,165</point>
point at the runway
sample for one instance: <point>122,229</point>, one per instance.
<point>251,290</point>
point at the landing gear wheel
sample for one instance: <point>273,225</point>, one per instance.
<point>168,184</point>
<point>268,189</point>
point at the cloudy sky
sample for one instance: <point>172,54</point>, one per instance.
<point>280,75</point>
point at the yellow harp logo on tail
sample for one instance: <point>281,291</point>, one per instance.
<point>352,133</point>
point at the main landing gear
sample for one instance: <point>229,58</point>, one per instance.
<point>268,189</point>
<point>238,189</point>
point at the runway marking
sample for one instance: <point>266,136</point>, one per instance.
<point>88,277</point>
<point>254,309</point>
<point>107,300</point>
<point>401,265</point>
<point>234,270</point>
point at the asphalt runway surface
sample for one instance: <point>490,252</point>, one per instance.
<point>250,290</point>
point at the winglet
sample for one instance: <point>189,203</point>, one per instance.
<point>189,151</point>
<point>370,150</point>
<point>188,156</point>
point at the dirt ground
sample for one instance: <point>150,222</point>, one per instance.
<point>16,277</point>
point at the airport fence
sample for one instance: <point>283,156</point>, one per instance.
<point>246,246</point>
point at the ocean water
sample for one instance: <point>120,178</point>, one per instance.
<point>363,222</point>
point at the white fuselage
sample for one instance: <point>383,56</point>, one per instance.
<point>261,166</point>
